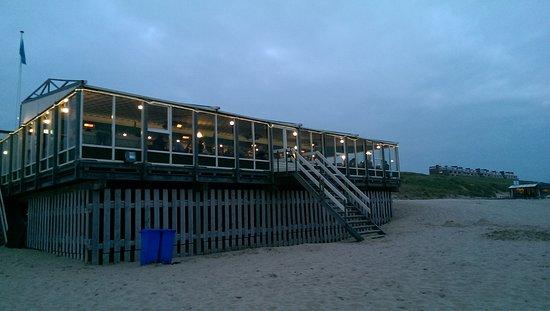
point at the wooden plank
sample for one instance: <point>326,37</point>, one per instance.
<point>303,215</point>
<point>205,223</point>
<point>199,222</point>
<point>137,221</point>
<point>191,221</point>
<point>266,219</point>
<point>253,218</point>
<point>165,220</point>
<point>240,217</point>
<point>226,227</point>
<point>117,242</point>
<point>95,228</point>
<point>174,206</point>
<point>182,209</point>
<point>127,224</point>
<point>219,222</point>
<point>213,208</point>
<point>87,230</point>
<point>233,223</point>
<point>106,225</point>
<point>284,208</point>
<point>78,206</point>
<point>74,223</point>
<point>156,207</point>
<point>276,201</point>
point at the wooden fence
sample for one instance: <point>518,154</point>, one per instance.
<point>103,226</point>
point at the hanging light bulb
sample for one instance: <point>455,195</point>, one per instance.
<point>294,133</point>
<point>199,134</point>
<point>124,134</point>
<point>231,122</point>
<point>140,107</point>
<point>341,141</point>
<point>65,110</point>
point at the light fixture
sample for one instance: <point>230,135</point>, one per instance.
<point>89,125</point>
<point>312,145</point>
<point>391,161</point>
<point>5,152</point>
<point>65,110</point>
<point>177,140</point>
<point>199,134</point>
<point>45,131</point>
<point>295,147</point>
<point>378,147</point>
<point>257,149</point>
<point>179,125</point>
<point>341,141</point>
<point>343,157</point>
<point>368,153</point>
<point>31,130</point>
<point>47,121</point>
<point>140,107</point>
<point>185,137</point>
<point>294,133</point>
<point>124,134</point>
<point>149,137</point>
<point>66,100</point>
<point>231,122</point>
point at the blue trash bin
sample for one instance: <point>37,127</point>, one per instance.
<point>150,246</point>
<point>167,239</point>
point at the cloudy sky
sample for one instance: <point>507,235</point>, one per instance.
<point>461,82</point>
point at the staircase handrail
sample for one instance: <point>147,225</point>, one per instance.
<point>301,159</point>
<point>341,184</point>
<point>348,182</point>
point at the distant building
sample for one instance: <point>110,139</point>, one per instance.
<point>461,171</point>
<point>534,190</point>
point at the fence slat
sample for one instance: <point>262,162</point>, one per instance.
<point>116,241</point>
<point>106,225</point>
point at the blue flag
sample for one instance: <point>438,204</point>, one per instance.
<point>22,52</point>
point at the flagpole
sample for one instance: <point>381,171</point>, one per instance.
<point>19,87</point>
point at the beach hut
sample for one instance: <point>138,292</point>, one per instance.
<point>90,167</point>
<point>531,190</point>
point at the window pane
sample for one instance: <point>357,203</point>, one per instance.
<point>16,156</point>
<point>157,141</point>
<point>351,159</point>
<point>369,154</point>
<point>340,155</point>
<point>30,143</point>
<point>46,139</point>
<point>261,141</point>
<point>292,139</point>
<point>226,136</point>
<point>377,157</point>
<point>182,133</point>
<point>5,159</point>
<point>316,141</point>
<point>393,161</point>
<point>245,139</point>
<point>97,118</point>
<point>127,123</point>
<point>305,142</point>
<point>157,117</point>
<point>206,134</point>
<point>360,156</point>
<point>329,148</point>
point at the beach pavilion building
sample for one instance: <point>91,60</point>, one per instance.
<point>90,167</point>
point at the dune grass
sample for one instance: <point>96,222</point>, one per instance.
<point>421,186</point>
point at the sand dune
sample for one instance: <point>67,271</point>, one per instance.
<point>439,254</point>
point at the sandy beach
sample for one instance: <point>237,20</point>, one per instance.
<point>438,254</point>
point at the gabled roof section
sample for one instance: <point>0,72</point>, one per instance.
<point>52,86</point>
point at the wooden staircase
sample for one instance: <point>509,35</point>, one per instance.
<point>336,193</point>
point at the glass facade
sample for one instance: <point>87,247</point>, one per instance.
<point>116,127</point>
